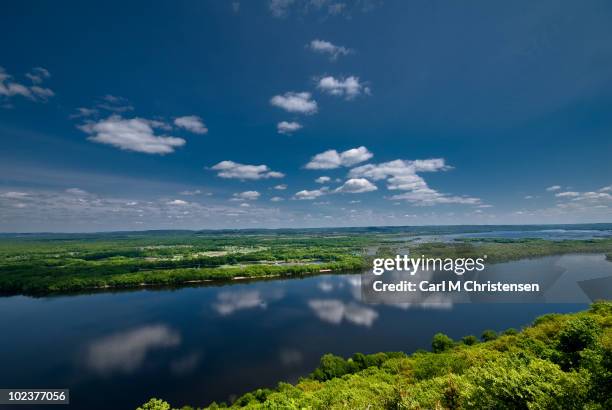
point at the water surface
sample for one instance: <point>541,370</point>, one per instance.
<point>195,345</point>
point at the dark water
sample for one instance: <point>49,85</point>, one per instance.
<point>195,345</point>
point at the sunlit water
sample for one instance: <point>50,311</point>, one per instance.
<point>195,345</point>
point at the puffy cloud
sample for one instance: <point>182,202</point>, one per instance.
<point>322,180</point>
<point>309,195</point>
<point>553,188</point>
<point>10,88</point>
<point>332,159</point>
<point>246,196</point>
<point>300,103</point>
<point>398,168</point>
<point>191,123</point>
<point>288,128</point>
<point>348,87</point>
<point>357,186</point>
<point>402,175</point>
<point>281,187</point>
<point>325,47</point>
<point>276,199</point>
<point>135,134</point>
<point>235,170</point>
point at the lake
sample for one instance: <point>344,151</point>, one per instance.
<point>194,345</point>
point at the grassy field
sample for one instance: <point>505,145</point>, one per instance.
<point>66,263</point>
<point>559,362</point>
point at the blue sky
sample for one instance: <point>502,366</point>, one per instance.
<point>193,114</point>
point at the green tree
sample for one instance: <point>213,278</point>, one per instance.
<point>469,340</point>
<point>488,335</point>
<point>155,404</point>
<point>441,342</point>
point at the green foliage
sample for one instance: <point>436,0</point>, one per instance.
<point>510,332</point>
<point>488,335</point>
<point>155,404</point>
<point>441,342</point>
<point>578,334</point>
<point>469,340</point>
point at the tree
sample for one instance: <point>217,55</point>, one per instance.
<point>578,334</point>
<point>441,342</point>
<point>488,335</point>
<point>155,404</point>
<point>469,340</point>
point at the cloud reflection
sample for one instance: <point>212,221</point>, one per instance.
<point>335,311</point>
<point>126,351</point>
<point>229,302</point>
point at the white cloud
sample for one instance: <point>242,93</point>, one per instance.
<point>235,170</point>
<point>246,196</point>
<point>553,188</point>
<point>191,123</point>
<point>84,112</point>
<point>567,194</point>
<point>402,175</point>
<point>14,195</point>
<point>190,193</point>
<point>348,87</point>
<point>427,197</point>
<point>606,189</point>
<point>331,159</point>
<point>281,187</point>
<point>322,180</point>
<point>135,134</point>
<point>76,191</point>
<point>357,186</point>
<point>288,128</point>
<point>38,75</point>
<point>115,103</point>
<point>178,202</point>
<point>293,102</point>
<point>276,199</point>
<point>10,88</point>
<point>309,195</point>
<point>398,168</point>
<point>325,47</point>
<point>280,8</point>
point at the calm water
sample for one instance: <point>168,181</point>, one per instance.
<point>195,345</point>
<point>549,234</point>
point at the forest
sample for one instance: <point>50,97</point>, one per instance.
<point>560,361</point>
<point>56,263</point>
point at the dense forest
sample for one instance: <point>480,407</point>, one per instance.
<point>51,263</point>
<point>558,362</point>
